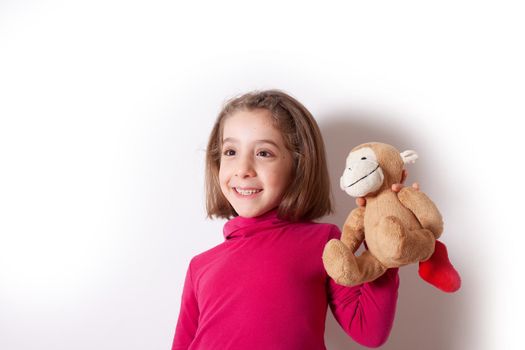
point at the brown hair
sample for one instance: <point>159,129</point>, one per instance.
<point>308,197</point>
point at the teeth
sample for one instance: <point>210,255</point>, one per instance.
<point>246,192</point>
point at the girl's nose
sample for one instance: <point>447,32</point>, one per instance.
<point>245,168</point>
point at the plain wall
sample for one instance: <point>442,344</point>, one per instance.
<point>105,110</point>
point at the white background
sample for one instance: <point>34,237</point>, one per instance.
<point>105,111</point>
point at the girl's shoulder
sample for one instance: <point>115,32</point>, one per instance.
<point>208,255</point>
<point>324,229</point>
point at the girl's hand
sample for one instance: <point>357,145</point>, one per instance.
<point>361,201</point>
<point>397,187</point>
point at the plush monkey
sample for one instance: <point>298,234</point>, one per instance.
<point>398,228</point>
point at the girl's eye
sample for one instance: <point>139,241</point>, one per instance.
<point>229,152</point>
<point>264,154</point>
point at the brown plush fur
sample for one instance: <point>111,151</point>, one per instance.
<point>399,228</point>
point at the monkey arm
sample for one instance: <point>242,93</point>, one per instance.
<point>423,208</point>
<point>353,229</point>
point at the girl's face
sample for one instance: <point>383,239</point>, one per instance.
<point>256,167</point>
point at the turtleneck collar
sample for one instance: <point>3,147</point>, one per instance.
<point>244,227</point>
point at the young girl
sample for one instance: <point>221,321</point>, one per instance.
<point>265,286</point>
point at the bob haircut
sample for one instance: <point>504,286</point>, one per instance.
<point>308,197</point>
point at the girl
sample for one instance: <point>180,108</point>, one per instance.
<point>265,286</point>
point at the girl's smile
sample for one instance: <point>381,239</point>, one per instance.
<point>256,166</point>
<point>246,192</point>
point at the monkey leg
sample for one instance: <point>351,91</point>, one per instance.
<point>398,246</point>
<point>423,208</point>
<point>348,270</point>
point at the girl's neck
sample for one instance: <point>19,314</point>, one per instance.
<point>268,214</point>
<point>241,226</point>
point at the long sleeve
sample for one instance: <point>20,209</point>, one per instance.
<point>188,316</point>
<point>365,312</point>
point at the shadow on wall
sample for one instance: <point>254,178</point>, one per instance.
<point>426,318</point>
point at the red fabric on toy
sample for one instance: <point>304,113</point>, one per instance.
<point>438,270</point>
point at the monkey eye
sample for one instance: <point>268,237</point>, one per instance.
<point>363,158</point>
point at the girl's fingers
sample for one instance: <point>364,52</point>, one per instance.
<point>397,187</point>
<point>360,202</point>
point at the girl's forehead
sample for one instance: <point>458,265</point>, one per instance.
<point>250,124</point>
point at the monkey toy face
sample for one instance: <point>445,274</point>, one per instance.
<point>363,173</point>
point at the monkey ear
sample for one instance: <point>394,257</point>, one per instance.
<point>409,156</point>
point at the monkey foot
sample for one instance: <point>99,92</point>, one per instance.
<point>439,271</point>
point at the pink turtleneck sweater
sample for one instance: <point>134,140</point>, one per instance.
<point>265,287</point>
